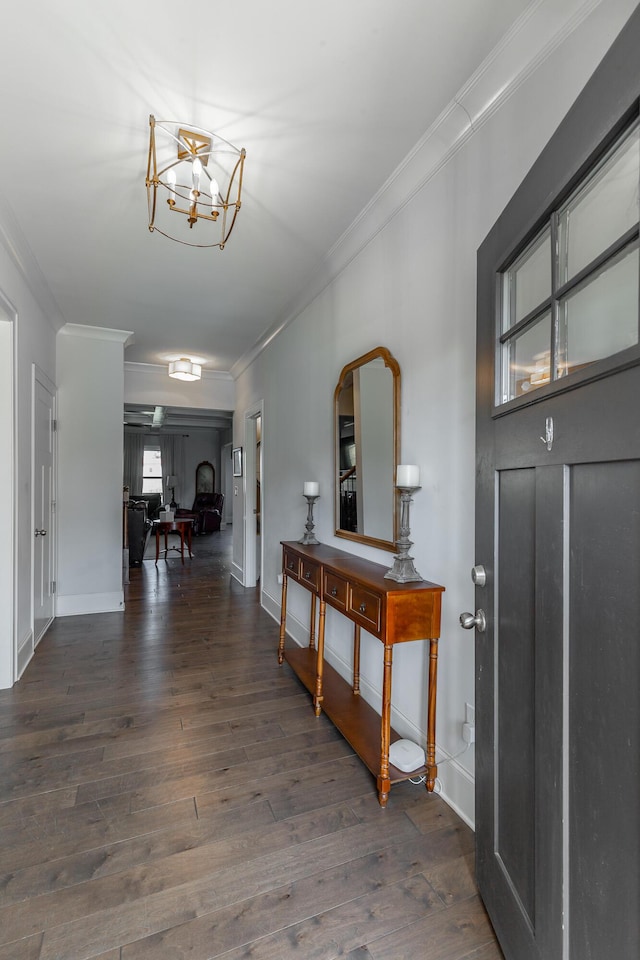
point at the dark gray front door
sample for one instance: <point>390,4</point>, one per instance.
<point>558,531</point>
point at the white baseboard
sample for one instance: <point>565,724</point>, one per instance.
<point>458,789</point>
<point>76,606</point>
<point>272,606</point>
<point>237,573</point>
<point>25,653</point>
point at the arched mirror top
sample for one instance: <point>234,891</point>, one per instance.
<point>367,446</point>
<point>205,478</point>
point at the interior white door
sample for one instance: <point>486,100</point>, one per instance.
<point>43,527</point>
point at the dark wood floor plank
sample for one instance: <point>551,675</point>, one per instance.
<point>86,827</point>
<point>449,935</point>
<point>242,781</point>
<point>186,877</point>
<point>27,949</point>
<point>327,935</point>
<point>295,901</point>
<point>167,787</point>
<point>15,812</point>
<point>115,858</point>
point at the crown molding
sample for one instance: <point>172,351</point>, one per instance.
<point>524,48</point>
<point>21,255</point>
<point>84,330</point>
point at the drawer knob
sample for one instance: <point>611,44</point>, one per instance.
<point>307,575</point>
<point>290,564</point>
<point>334,591</point>
<point>363,607</point>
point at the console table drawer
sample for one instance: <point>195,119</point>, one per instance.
<point>310,575</point>
<point>291,564</point>
<point>335,591</point>
<point>365,607</point>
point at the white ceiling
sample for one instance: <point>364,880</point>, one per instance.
<point>327,98</point>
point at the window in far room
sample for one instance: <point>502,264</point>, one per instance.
<point>152,470</point>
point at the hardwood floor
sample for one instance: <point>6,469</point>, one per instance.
<point>166,792</point>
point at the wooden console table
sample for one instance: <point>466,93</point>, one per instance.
<point>182,526</point>
<point>394,613</point>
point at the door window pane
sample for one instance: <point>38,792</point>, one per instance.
<point>527,358</point>
<point>602,211</point>
<point>528,281</point>
<point>601,317</point>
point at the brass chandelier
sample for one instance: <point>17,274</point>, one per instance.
<point>197,174</point>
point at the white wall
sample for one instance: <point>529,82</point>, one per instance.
<point>90,374</point>
<point>404,277</point>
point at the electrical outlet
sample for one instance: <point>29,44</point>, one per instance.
<point>469,713</point>
<point>280,579</point>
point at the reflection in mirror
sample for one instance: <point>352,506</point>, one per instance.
<point>367,403</point>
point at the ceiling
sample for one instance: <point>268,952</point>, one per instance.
<point>326,98</point>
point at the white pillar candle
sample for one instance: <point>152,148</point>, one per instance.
<point>310,488</point>
<point>407,475</point>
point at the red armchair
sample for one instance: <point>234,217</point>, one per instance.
<point>206,512</point>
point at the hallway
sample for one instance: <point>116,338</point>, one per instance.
<point>167,792</point>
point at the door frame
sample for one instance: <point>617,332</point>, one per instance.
<point>38,376</point>
<point>249,489</point>
<point>8,482</point>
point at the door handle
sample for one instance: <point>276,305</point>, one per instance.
<point>468,621</point>
<point>40,533</point>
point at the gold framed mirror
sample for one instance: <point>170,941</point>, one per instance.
<point>367,447</point>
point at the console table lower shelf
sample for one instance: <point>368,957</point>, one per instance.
<point>358,723</point>
<point>393,613</point>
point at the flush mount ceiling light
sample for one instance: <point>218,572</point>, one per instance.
<point>196,174</point>
<point>184,369</point>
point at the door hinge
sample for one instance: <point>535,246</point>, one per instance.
<point>54,425</point>
<point>53,586</point>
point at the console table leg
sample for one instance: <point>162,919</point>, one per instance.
<point>384,781</point>
<point>356,659</point>
<point>283,618</point>
<point>318,698</point>
<point>312,624</point>
<point>432,769</point>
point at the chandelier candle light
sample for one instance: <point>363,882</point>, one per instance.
<point>407,481</point>
<point>197,174</point>
<point>310,490</point>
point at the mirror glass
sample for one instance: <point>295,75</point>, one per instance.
<point>367,444</point>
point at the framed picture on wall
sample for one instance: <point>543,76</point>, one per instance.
<point>236,455</point>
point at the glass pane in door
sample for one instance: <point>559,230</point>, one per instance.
<point>602,211</point>
<point>527,359</point>
<point>601,318</point>
<point>527,284</point>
